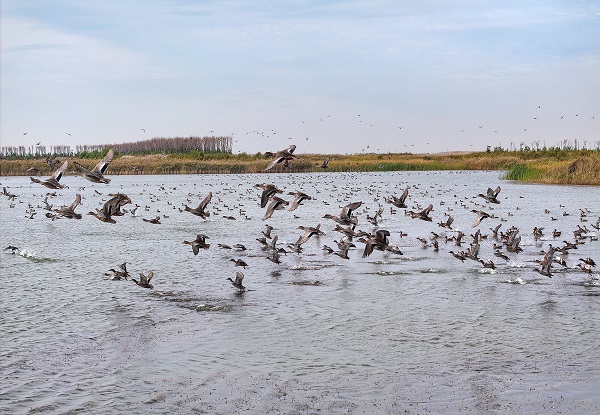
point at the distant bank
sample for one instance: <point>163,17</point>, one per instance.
<point>581,167</point>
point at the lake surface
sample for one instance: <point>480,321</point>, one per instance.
<point>420,332</point>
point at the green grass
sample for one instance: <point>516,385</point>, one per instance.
<point>522,172</point>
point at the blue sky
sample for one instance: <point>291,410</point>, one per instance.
<point>329,76</point>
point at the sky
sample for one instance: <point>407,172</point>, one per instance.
<point>330,76</point>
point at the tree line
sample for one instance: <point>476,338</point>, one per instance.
<point>211,144</point>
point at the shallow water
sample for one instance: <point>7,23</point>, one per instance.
<point>417,332</point>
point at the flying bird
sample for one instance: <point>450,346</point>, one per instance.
<point>237,283</point>
<point>145,280</point>
<point>96,175</point>
<point>491,195</point>
<point>53,181</point>
<point>282,157</point>
<point>199,242</point>
<point>200,210</point>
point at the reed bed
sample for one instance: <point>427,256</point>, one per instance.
<point>574,167</point>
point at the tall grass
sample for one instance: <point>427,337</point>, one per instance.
<point>522,172</point>
<point>569,167</point>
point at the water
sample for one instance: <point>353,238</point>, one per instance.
<point>413,333</point>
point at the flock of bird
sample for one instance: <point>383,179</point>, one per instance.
<point>346,223</point>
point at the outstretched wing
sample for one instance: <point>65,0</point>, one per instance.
<point>76,202</point>
<point>103,164</point>
<point>404,195</point>
<point>61,170</point>
<point>349,208</point>
<point>239,276</point>
<point>205,202</point>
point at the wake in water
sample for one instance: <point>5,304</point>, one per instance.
<point>28,254</point>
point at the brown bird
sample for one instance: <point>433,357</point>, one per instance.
<point>299,197</point>
<point>268,191</point>
<point>399,202</point>
<point>69,211</point>
<point>237,283</point>
<point>96,175</point>
<point>53,181</point>
<point>145,280</point>
<point>378,241</point>
<point>275,203</point>
<point>345,217</point>
<point>200,210</point>
<point>239,263</point>
<point>199,242</point>
<point>491,195</point>
<point>282,157</point>
<point>423,215</point>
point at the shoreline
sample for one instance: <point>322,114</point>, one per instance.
<point>575,167</point>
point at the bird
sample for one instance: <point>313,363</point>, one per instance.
<point>96,175</point>
<point>491,195</point>
<point>299,197</point>
<point>120,274</point>
<point>111,207</point>
<point>282,157</point>
<point>145,280</point>
<point>546,263</point>
<point>53,181</point>
<point>325,162</point>
<point>11,196</point>
<point>399,202</point>
<point>345,217</point>
<point>448,223</point>
<point>487,263</point>
<point>459,255</point>
<point>201,209</point>
<point>12,248</point>
<point>275,203</point>
<point>239,263</point>
<point>423,215</point>
<point>308,232</point>
<point>199,242</point>
<point>155,221</point>
<point>501,255</point>
<point>268,191</point>
<point>69,211</point>
<point>588,261</point>
<point>378,241</point>
<point>237,283</point>
<point>481,215</point>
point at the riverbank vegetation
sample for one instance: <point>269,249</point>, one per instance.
<point>559,166</point>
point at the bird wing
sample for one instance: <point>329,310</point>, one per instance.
<point>404,195</point>
<point>239,276</point>
<point>205,202</point>
<point>278,159</point>
<point>76,202</point>
<point>382,235</point>
<point>425,212</point>
<point>349,208</point>
<point>477,220</point>
<point>103,164</point>
<point>81,168</point>
<point>60,171</point>
<point>266,194</point>
<point>296,202</point>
